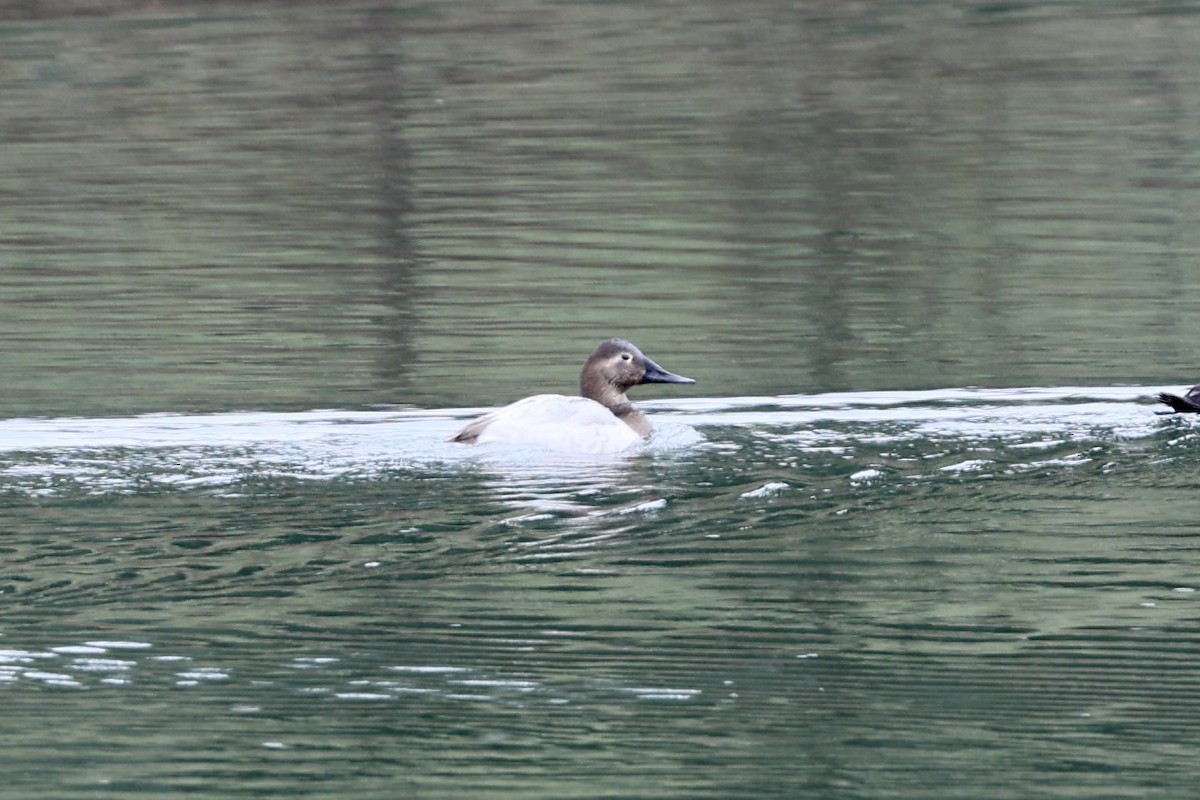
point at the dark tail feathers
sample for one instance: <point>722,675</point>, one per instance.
<point>1180,404</point>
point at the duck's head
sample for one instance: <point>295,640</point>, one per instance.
<point>617,365</point>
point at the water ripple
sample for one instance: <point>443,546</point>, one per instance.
<point>45,457</point>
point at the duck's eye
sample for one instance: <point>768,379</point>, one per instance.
<point>625,356</point>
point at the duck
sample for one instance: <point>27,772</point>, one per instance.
<point>600,420</point>
<point>1188,404</point>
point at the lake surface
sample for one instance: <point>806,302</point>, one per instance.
<point>918,530</point>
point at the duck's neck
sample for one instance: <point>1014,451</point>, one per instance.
<point>634,419</point>
<point>615,401</point>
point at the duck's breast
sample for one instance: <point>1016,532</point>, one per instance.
<point>557,422</point>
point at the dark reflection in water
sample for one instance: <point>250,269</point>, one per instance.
<point>286,207</point>
<point>274,208</point>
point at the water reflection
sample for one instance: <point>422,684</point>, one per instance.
<point>305,209</point>
<point>253,211</point>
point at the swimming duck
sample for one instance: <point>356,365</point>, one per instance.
<point>602,420</point>
<point>1189,403</point>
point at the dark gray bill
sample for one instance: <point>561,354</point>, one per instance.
<point>656,374</point>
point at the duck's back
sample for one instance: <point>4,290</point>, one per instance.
<point>555,422</point>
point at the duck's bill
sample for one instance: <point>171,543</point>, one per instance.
<point>656,374</point>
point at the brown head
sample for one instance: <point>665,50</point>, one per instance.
<point>616,366</point>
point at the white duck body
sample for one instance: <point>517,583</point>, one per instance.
<point>602,420</point>
<point>557,422</point>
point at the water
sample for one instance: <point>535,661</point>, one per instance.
<point>831,593</point>
<point>917,531</point>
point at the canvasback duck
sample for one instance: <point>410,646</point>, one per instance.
<point>1189,403</point>
<point>601,421</point>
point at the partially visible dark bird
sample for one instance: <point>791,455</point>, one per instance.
<point>1188,404</point>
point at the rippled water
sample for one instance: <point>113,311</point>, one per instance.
<point>259,260</point>
<point>829,593</point>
